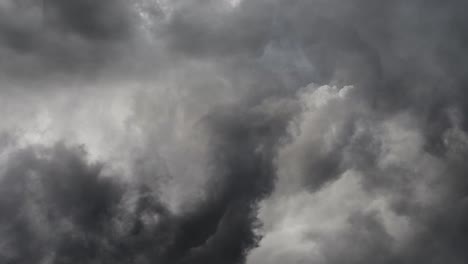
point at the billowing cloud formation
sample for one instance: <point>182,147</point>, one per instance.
<point>252,131</point>
<point>358,187</point>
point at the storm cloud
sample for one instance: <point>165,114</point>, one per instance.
<point>233,131</point>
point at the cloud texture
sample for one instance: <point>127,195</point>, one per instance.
<point>222,131</point>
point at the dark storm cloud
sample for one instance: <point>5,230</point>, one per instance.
<point>57,206</point>
<point>245,141</point>
<point>107,20</point>
<point>40,39</point>
<point>400,132</point>
<point>211,28</point>
<point>410,57</point>
<point>402,56</point>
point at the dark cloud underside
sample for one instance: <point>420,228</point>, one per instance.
<point>251,131</point>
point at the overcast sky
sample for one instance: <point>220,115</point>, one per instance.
<point>233,131</point>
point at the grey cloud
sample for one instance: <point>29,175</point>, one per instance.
<point>236,120</point>
<point>405,186</point>
<point>45,39</point>
<point>206,28</point>
<point>61,207</point>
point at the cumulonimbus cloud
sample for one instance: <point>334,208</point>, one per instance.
<point>254,131</point>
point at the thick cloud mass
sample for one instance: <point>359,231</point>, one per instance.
<point>233,131</point>
<point>41,38</point>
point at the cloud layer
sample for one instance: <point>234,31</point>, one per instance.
<point>252,131</point>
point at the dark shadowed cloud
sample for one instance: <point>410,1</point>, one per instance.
<point>43,39</point>
<point>233,131</point>
<point>59,206</point>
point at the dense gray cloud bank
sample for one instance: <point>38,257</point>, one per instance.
<point>233,131</point>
